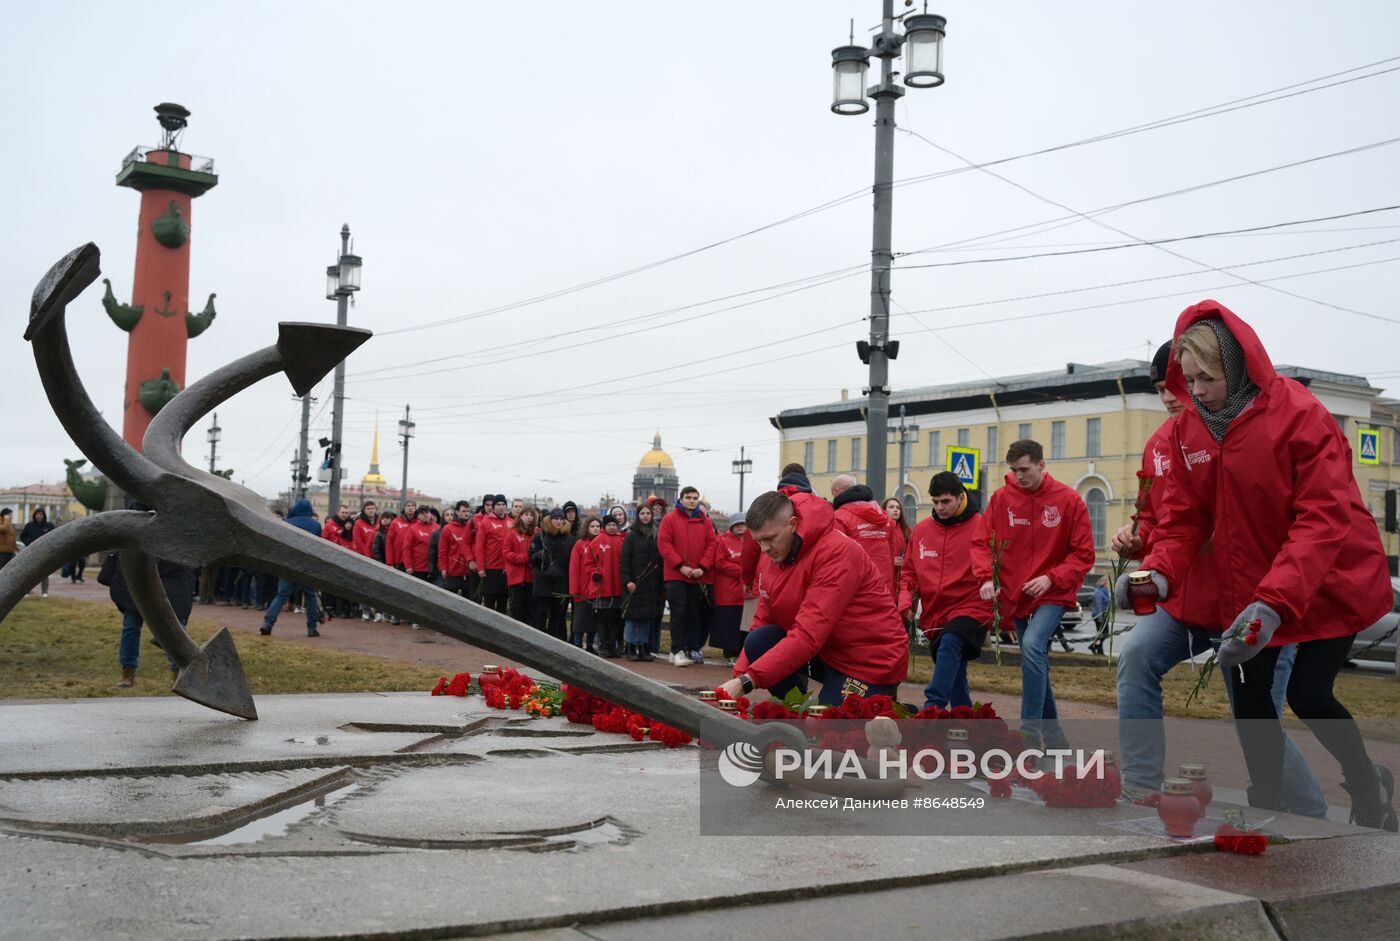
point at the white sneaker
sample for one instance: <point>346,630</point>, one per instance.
<point>44,595</point>
<point>415,627</point>
<point>378,618</point>
<point>679,659</point>
<point>364,616</point>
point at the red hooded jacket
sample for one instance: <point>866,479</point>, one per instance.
<point>580,586</point>
<point>870,526</point>
<point>938,572</point>
<point>490,548</point>
<point>1049,534</point>
<point>833,604</point>
<point>748,563</point>
<point>517,555</point>
<point>393,543</point>
<point>1192,602</point>
<point>686,540</point>
<point>455,549</point>
<point>729,583</point>
<point>362,541</point>
<point>414,545</point>
<point>1279,501</point>
<point>603,558</point>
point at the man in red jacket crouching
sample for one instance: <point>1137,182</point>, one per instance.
<point>823,607</point>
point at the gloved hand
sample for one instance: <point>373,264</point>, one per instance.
<point>1120,590</point>
<point>1241,642</point>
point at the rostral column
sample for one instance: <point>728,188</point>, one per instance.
<point>159,319</point>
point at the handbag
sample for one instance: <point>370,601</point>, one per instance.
<point>108,572</point>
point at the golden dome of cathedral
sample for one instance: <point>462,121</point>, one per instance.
<point>656,457</point>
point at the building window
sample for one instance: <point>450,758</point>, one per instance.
<point>935,449</point>
<point>855,454</point>
<point>1057,441</point>
<point>964,437</point>
<point>808,455</point>
<point>992,444</point>
<point>1023,431</point>
<point>1395,447</point>
<point>831,457</point>
<point>1093,431</point>
<point>1097,504</point>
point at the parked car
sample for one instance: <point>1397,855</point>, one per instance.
<point>1377,642</point>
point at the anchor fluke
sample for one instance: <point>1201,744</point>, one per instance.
<point>215,678</point>
<point>311,350</point>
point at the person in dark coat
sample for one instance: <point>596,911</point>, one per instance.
<point>37,527</point>
<point>641,579</point>
<point>178,582</point>
<point>550,549</point>
<point>299,516</point>
<point>575,521</point>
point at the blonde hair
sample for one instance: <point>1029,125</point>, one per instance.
<point>1201,342</point>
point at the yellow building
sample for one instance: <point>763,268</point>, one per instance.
<point>1093,421</point>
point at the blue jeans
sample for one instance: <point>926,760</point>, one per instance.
<point>1158,643</point>
<point>760,640</point>
<point>640,631</point>
<point>285,589</point>
<point>1039,720</point>
<point>129,647</point>
<point>948,686</point>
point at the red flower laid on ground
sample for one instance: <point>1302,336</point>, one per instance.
<point>441,688</point>
<point>1231,839</point>
<point>459,685</point>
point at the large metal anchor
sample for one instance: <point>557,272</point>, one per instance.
<point>199,519</point>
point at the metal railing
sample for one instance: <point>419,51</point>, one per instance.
<point>197,164</point>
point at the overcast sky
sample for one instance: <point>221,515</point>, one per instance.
<point>486,154</point>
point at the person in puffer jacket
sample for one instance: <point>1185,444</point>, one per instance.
<point>859,516</point>
<point>823,608</point>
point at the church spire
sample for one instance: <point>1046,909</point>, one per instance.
<point>374,478</point>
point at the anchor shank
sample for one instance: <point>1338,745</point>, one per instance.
<point>143,581</point>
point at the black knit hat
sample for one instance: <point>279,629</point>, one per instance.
<point>1160,362</point>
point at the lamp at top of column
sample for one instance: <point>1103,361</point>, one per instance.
<point>349,280</point>
<point>406,426</point>
<point>848,65</point>
<point>332,282</point>
<point>923,50</point>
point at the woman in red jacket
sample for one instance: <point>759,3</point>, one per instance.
<point>583,630</point>
<point>727,629</point>
<point>1265,474</point>
<point>603,563</point>
<point>519,575</point>
<point>895,510</point>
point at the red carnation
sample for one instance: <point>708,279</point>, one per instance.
<point>459,684</point>
<point>852,708</point>
<point>441,688</point>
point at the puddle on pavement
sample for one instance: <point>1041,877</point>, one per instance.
<point>277,823</point>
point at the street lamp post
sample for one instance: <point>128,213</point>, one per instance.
<point>342,280</point>
<point>214,436</point>
<point>923,35</point>
<point>303,458</point>
<point>406,426</point>
<point>742,467</point>
<point>908,433</point>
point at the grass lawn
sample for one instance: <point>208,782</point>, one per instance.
<point>62,649</point>
<point>1086,678</point>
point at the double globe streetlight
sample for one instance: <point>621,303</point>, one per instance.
<point>342,280</point>
<point>922,45</point>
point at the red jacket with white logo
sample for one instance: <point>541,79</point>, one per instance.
<point>579,583</point>
<point>748,562</point>
<point>393,543</point>
<point>833,604</point>
<point>455,549</point>
<point>490,548</point>
<point>517,555</point>
<point>362,541</point>
<point>602,566</point>
<point>1278,499</point>
<point>938,572</point>
<point>870,526</point>
<point>414,545</point>
<point>1049,534</point>
<point>1192,602</point>
<point>729,584</point>
<point>686,540</point>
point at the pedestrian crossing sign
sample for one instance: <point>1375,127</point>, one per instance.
<point>966,463</point>
<point>1368,446</point>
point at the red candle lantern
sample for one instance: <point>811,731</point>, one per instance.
<point>1142,593</point>
<point>1178,809</point>
<point>1196,774</point>
<point>490,675</point>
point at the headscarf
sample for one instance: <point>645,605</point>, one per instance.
<point>1240,390</point>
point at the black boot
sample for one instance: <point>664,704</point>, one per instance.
<point>609,650</point>
<point>1371,802</point>
<point>643,654</point>
<point>632,654</point>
